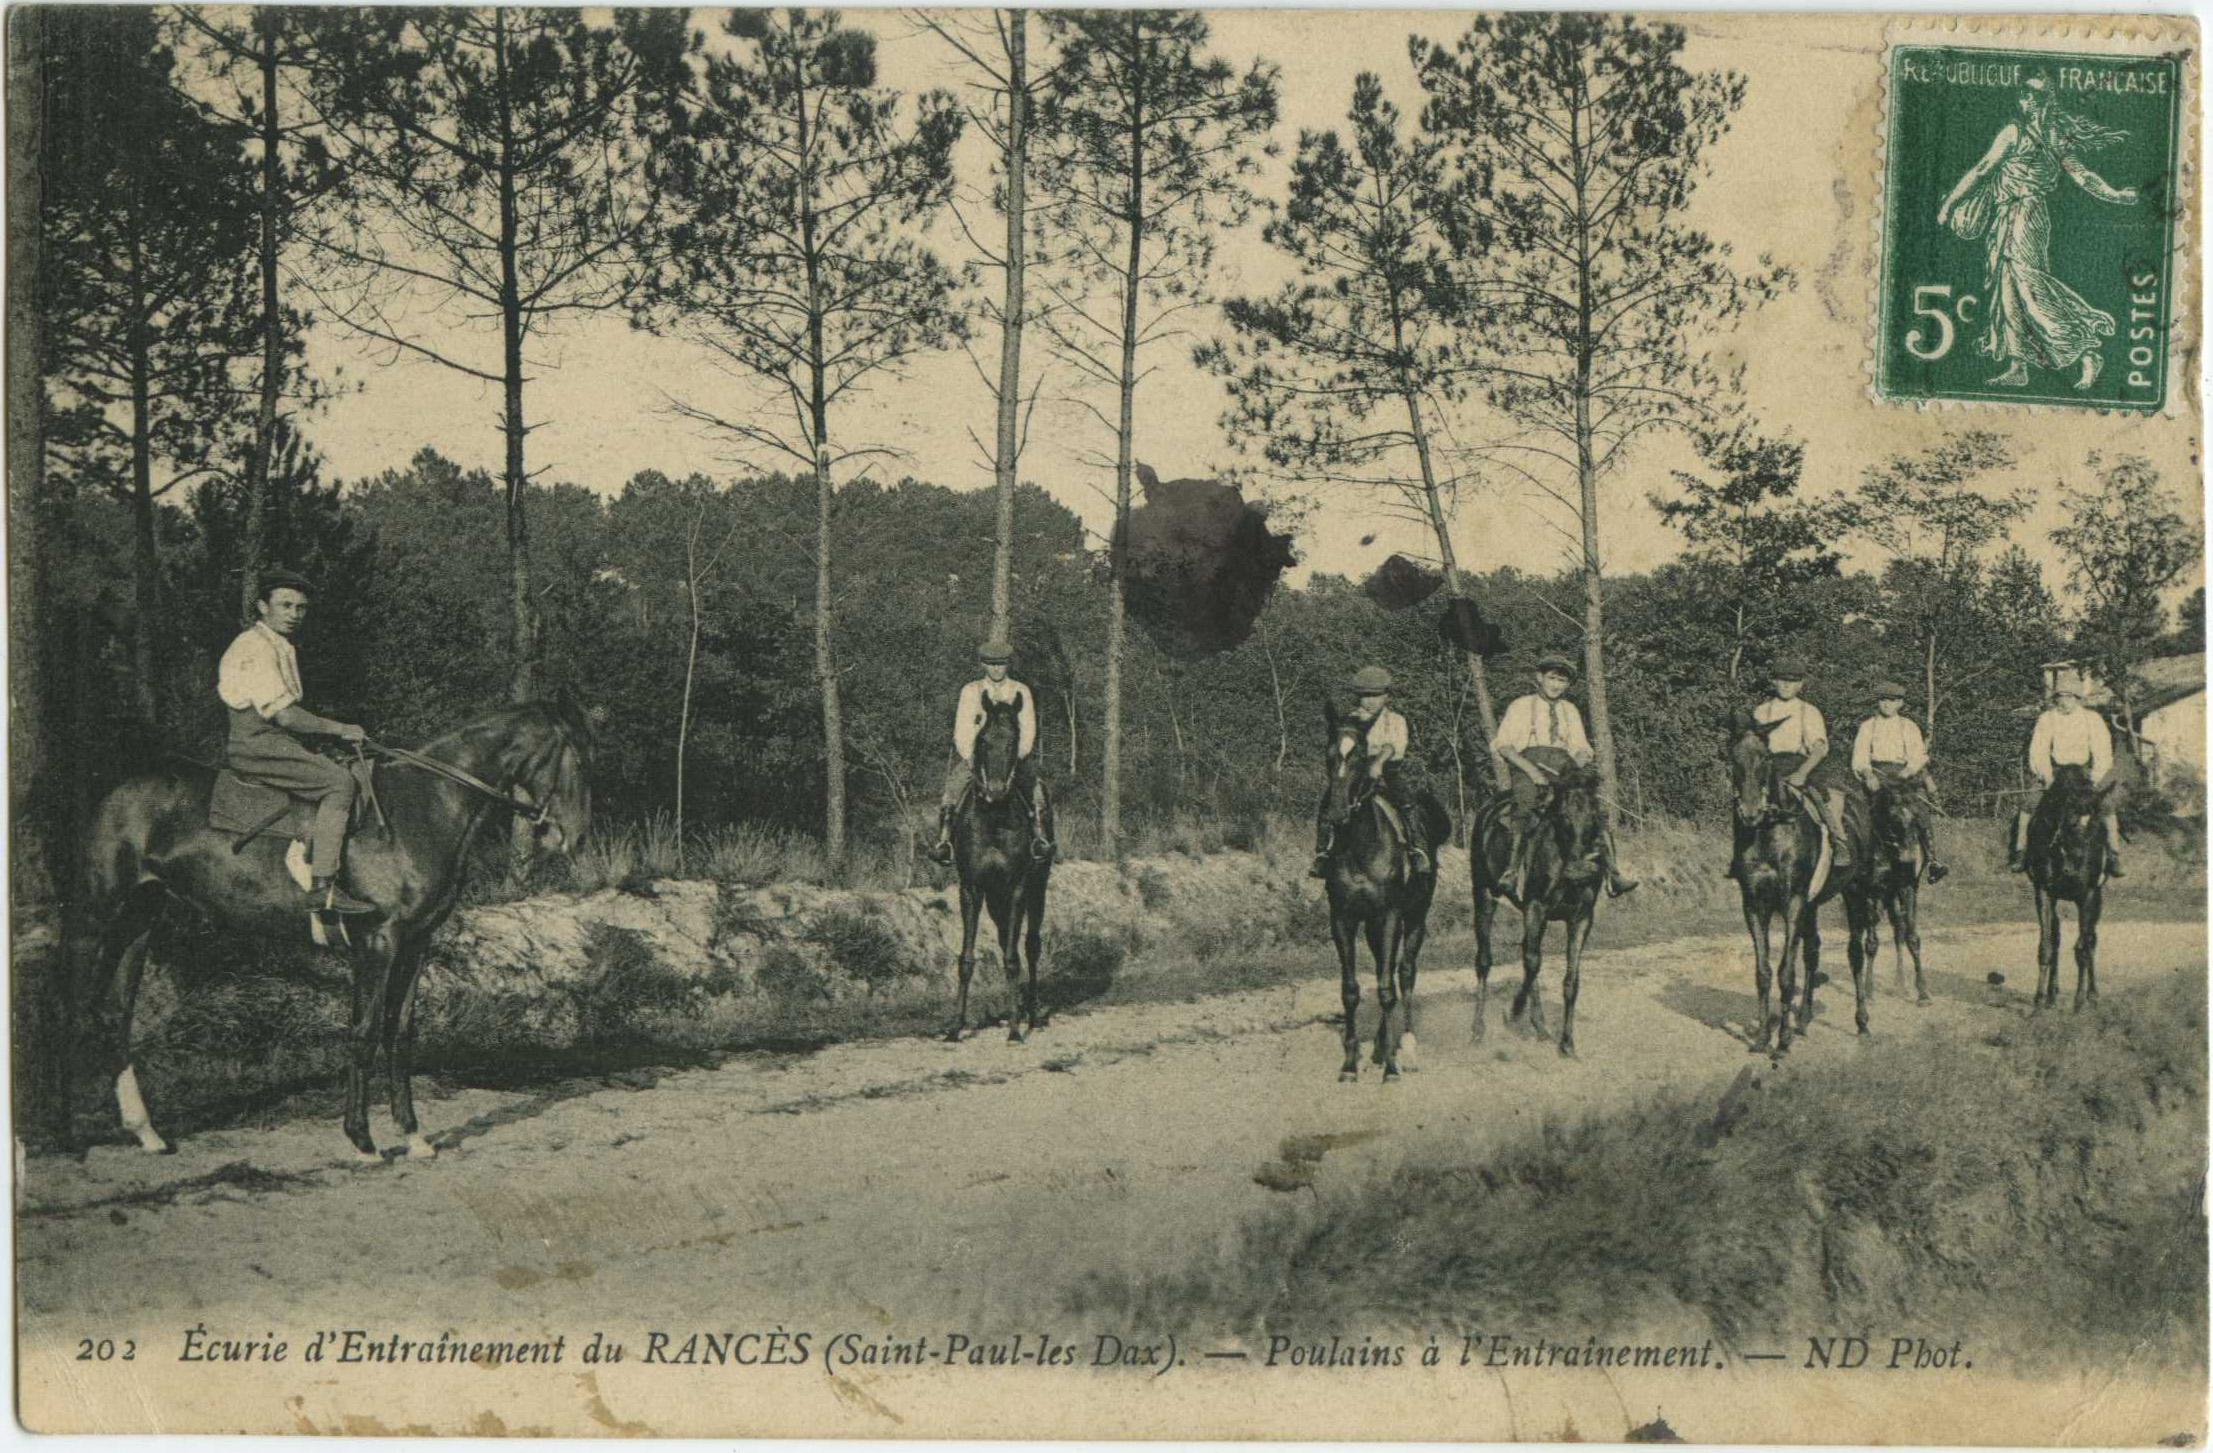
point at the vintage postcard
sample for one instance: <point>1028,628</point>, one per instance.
<point>1232,723</point>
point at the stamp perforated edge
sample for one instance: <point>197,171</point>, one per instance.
<point>2173,36</point>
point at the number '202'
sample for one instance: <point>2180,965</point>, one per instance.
<point>106,1349</point>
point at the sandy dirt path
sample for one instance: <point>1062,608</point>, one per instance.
<point>888,1188</point>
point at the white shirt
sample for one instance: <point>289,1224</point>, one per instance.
<point>1533,721</point>
<point>968,717</point>
<point>1889,739</point>
<point>1387,732</point>
<point>260,672</point>
<point>1802,724</point>
<point>2061,738</point>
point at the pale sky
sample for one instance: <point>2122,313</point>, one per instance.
<point>1795,177</point>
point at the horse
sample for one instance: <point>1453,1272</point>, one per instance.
<point>2066,862</point>
<point>1894,882</point>
<point>992,852</point>
<point>1373,891</point>
<point>1778,852</point>
<point>1562,886</point>
<point>150,844</point>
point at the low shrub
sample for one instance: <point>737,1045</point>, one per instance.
<point>861,945</point>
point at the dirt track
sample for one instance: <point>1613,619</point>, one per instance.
<point>907,1184</point>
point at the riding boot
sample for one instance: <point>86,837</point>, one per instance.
<point>327,897</point>
<point>942,852</point>
<point>1041,829</point>
<point>2016,851</point>
<point>1840,847</point>
<point>1928,852</point>
<point>1616,885</point>
<point>1736,847</point>
<point>2113,847</point>
<point>1322,840</point>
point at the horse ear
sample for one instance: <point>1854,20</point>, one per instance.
<point>1329,714</point>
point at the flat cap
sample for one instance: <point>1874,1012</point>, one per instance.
<point>1886,689</point>
<point>280,579</point>
<point>995,652</point>
<point>1787,668</point>
<point>1370,679</point>
<point>1554,661</point>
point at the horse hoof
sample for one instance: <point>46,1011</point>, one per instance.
<point>368,1157</point>
<point>1348,1077</point>
<point>420,1148</point>
<point>1390,1076</point>
<point>1923,1002</point>
<point>153,1144</point>
<point>1567,1051</point>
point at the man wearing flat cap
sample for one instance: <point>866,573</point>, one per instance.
<point>259,681</point>
<point>2068,734</point>
<point>1800,736</point>
<point>1888,751</point>
<point>968,719</point>
<point>1540,735</point>
<point>1405,785</point>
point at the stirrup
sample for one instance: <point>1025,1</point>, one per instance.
<point>1319,868</point>
<point>941,852</point>
<point>1419,860</point>
<point>328,898</point>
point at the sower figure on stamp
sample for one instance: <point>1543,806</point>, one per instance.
<point>2067,734</point>
<point>259,681</point>
<point>2033,316</point>
<point>968,717</point>
<point>1540,735</point>
<point>1405,785</point>
<point>1798,737</point>
<point>1888,751</point>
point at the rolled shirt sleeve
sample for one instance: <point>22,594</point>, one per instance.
<point>1028,738</point>
<point>2040,749</point>
<point>252,678</point>
<point>1388,730</point>
<point>1917,750</point>
<point>1863,747</point>
<point>2101,747</point>
<point>1517,730</point>
<point>968,719</point>
<point>1571,732</point>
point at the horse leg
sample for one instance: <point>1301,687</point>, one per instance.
<point>2047,950</point>
<point>971,907</point>
<point>1533,926</point>
<point>1905,937</point>
<point>1486,907</point>
<point>123,949</point>
<point>399,1045</point>
<point>373,958</point>
<point>1033,943</point>
<point>1008,921</point>
<point>1862,951</point>
<point>1795,915</point>
<point>1571,982</point>
<point>1384,932</point>
<point>2086,946</point>
<point>1342,931</point>
<point>1758,925</point>
<point>1409,963</point>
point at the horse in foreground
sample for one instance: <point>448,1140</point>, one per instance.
<point>1561,886</point>
<point>1779,876</point>
<point>2066,863</point>
<point>998,870</point>
<point>1894,883</point>
<point>150,844</point>
<point>1373,893</point>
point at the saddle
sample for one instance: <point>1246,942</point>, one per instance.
<point>247,810</point>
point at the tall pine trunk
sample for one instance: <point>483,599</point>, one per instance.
<point>29,878</point>
<point>145,555</point>
<point>1110,788</point>
<point>522,670</point>
<point>1451,562</point>
<point>826,670</point>
<point>1010,345</point>
<point>1586,479</point>
<point>253,549</point>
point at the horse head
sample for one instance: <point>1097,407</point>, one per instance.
<point>555,754</point>
<point>1751,764</point>
<point>2075,809</point>
<point>998,750</point>
<point>1349,769</point>
<point>1894,823</point>
<point>1578,827</point>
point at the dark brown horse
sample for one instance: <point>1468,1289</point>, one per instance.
<point>150,844</point>
<point>1373,893</point>
<point>998,870</point>
<point>1894,882</point>
<point>1562,886</point>
<point>1778,855</point>
<point>2066,863</point>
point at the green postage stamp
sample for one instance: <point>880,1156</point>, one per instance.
<point>2030,205</point>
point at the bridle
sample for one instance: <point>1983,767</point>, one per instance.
<point>531,809</point>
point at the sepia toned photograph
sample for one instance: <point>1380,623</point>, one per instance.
<point>1432,726</point>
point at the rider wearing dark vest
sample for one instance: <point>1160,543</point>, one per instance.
<point>259,680</point>
<point>1404,784</point>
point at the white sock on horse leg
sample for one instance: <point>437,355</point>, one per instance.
<point>132,1105</point>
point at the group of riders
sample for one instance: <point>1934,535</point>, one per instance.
<point>259,682</point>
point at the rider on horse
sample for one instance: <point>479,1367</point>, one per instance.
<point>1543,721</point>
<point>259,680</point>
<point>968,719</point>
<point>1405,785</point>
<point>1799,735</point>
<point>2065,735</point>
<point>1888,751</point>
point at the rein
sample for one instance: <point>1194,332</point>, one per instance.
<point>536,811</point>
